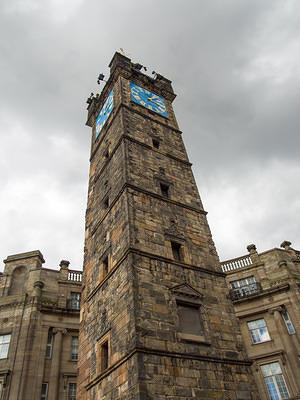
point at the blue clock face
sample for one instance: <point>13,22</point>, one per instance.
<point>147,99</point>
<point>104,113</point>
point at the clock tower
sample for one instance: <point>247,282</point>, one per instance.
<point>156,322</point>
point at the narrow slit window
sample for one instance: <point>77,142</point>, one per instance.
<point>104,356</point>
<point>176,251</point>
<point>49,344</point>
<point>106,202</point>
<point>288,322</point>
<point>155,143</point>
<point>44,392</point>
<point>74,348</point>
<point>164,189</point>
<point>106,154</point>
<point>105,266</point>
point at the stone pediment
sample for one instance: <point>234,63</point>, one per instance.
<point>184,290</point>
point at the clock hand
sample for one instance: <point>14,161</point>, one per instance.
<point>106,107</point>
<point>155,100</point>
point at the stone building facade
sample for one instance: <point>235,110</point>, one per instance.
<point>265,290</point>
<point>156,321</point>
<point>39,324</point>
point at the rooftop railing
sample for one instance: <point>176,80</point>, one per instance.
<point>236,263</point>
<point>75,276</point>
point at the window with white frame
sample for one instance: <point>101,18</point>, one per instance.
<point>274,381</point>
<point>44,393</point>
<point>49,344</point>
<point>72,391</point>
<point>4,345</point>
<point>259,331</point>
<point>245,287</point>
<point>74,351</point>
<point>288,322</point>
<point>242,282</point>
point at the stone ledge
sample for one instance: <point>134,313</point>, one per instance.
<point>187,337</point>
<point>22,256</point>
<point>162,353</point>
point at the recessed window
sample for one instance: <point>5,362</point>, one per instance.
<point>176,251</point>
<point>103,352</point>
<point>274,381</point>
<point>106,202</point>
<point>244,287</point>
<point>155,143</point>
<point>74,348</point>
<point>74,301</point>
<point>72,391</point>
<point>241,283</point>
<point>288,322</point>
<point>106,154</point>
<point>4,345</point>
<point>164,189</point>
<point>189,319</point>
<point>44,392</point>
<point>105,265</point>
<point>49,344</point>
<point>104,355</point>
<point>259,331</point>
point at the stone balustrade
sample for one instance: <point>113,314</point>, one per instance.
<point>236,263</point>
<point>75,276</point>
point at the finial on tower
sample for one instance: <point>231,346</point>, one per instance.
<point>123,53</point>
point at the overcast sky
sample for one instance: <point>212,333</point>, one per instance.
<point>235,66</point>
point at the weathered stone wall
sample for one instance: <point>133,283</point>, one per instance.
<point>134,305</point>
<point>277,276</point>
<point>36,305</point>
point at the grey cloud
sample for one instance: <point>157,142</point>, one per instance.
<point>234,66</point>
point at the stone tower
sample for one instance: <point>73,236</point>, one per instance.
<point>155,322</point>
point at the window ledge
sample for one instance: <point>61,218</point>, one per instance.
<point>265,341</point>
<point>193,338</point>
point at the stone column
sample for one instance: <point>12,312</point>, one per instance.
<point>55,364</point>
<point>42,337</point>
<point>287,343</point>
